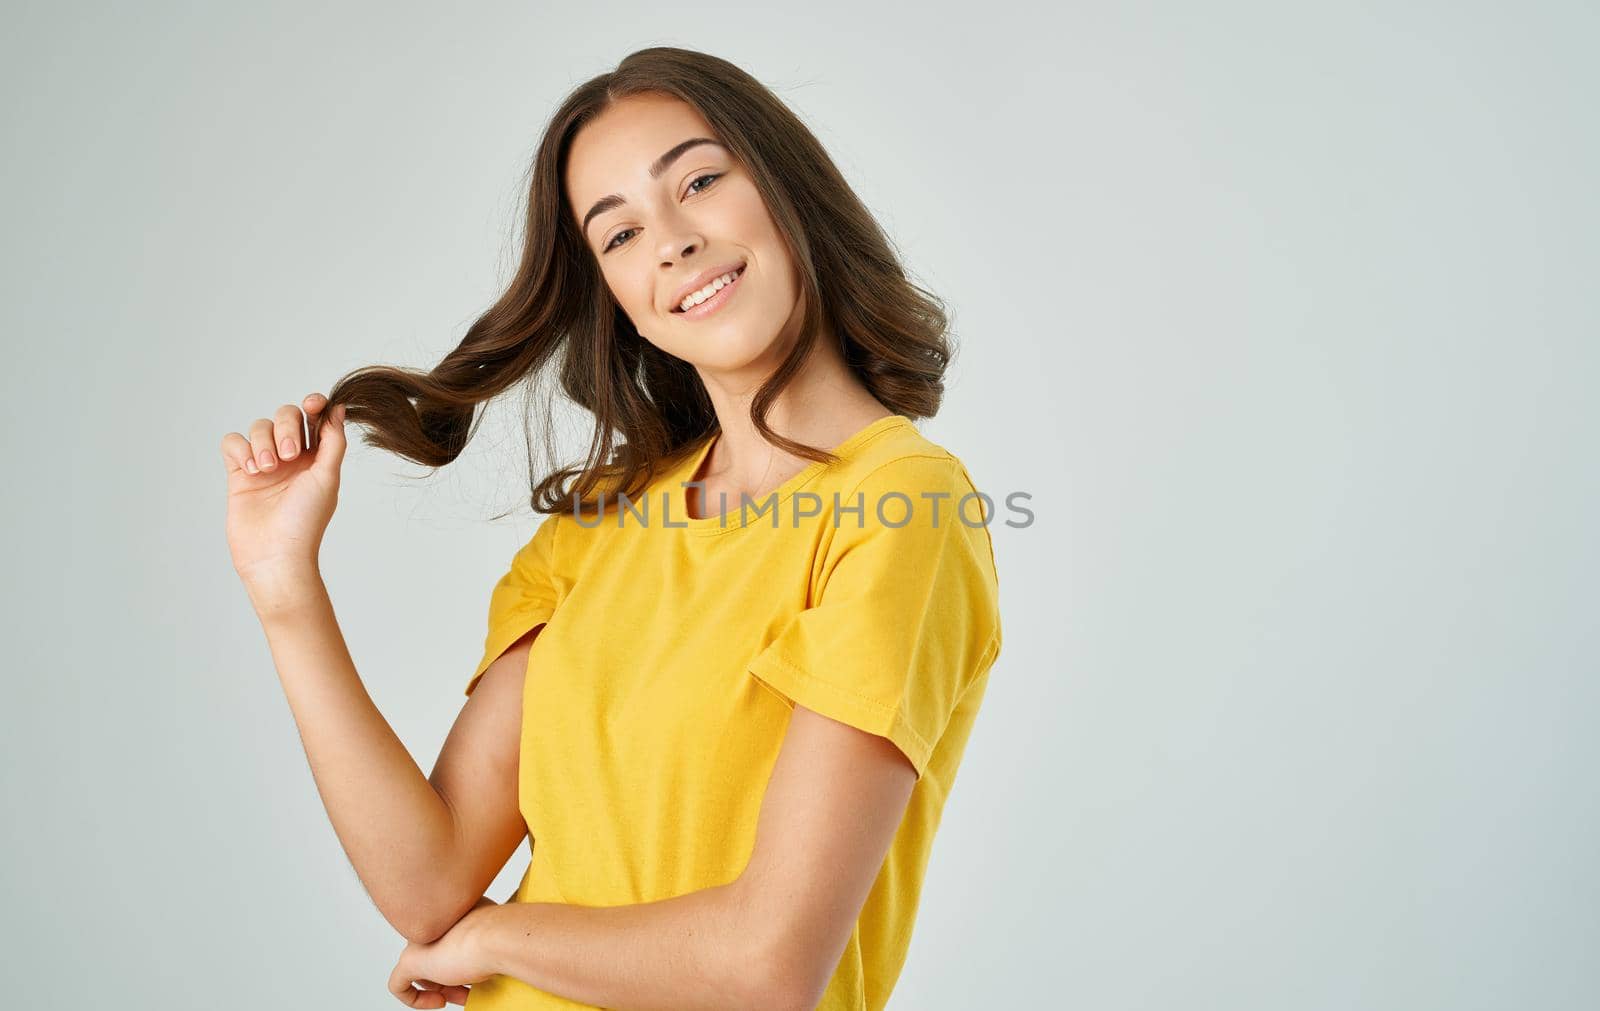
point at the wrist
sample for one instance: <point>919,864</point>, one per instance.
<point>283,587</point>
<point>489,927</point>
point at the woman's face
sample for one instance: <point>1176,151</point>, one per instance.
<point>701,213</point>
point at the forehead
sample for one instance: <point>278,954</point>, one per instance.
<point>612,153</point>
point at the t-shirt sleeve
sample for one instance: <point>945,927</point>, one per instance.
<point>523,599</point>
<point>902,617</point>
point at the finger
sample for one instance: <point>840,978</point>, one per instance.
<point>400,984</point>
<point>428,992</point>
<point>406,994</point>
<point>412,997</point>
<point>261,444</point>
<point>313,404</point>
<point>236,454</point>
<point>287,425</point>
<point>453,994</point>
<point>331,444</point>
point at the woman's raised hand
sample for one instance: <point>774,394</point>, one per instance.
<point>282,493</point>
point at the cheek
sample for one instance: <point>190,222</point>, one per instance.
<point>757,230</point>
<point>638,298</point>
<point>753,219</point>
<point>627,293</point>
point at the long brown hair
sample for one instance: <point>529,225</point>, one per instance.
<point>557,313</point>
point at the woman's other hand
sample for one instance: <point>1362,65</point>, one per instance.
<point>282,493</point>
<point>443,971</point>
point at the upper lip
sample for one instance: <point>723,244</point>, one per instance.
<point>701,280</point>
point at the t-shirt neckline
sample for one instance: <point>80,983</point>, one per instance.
<point>730,519</point>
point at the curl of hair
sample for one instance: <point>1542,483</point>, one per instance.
<point>556,315</point>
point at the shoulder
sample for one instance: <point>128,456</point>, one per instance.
<point>915,500</point>
<point>902,459</point>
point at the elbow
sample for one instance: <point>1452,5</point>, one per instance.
<point>437,910</point>
<point>786,1000</point>
<point>425,923</point>
<point>425,934</point>
<point>430,928</point>
<point>783,991</point>
<point>783,978</point>
<point>420,929</point>
<point>772,966</point>
<point>738,974</point>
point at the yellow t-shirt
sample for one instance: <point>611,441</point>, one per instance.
<point>674,649</point>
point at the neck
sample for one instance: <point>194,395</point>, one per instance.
<point>822,406</point>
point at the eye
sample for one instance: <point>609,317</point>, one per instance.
<point>712,176</point>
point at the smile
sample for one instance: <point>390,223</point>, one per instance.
<point>715,302</point>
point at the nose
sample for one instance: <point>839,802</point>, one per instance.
<point>679,250</point>
<point>679,238</point>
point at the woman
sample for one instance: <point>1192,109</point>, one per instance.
<point>728,682</point>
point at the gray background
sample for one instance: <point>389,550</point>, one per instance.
<point>1276,310</point>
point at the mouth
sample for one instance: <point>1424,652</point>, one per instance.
<point>716,301</point>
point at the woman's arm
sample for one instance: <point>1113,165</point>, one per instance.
<point>425,851</point>
<point>772,938</point>
<point>692,952</point>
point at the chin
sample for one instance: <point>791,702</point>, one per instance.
<point>730,349</point>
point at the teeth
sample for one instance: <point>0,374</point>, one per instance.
<point>695,298</point>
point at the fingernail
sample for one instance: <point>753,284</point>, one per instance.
<point>288,449</point>
<point>250,466</point>
<point>266,458</point>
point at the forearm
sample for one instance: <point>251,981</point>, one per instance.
<point>396,829</point>
<point>692,952</point>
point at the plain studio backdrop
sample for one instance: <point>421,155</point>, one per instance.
<point>1283,315</point>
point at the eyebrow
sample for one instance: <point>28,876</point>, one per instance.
<point>659,166</point>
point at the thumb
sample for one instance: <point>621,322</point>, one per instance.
<point>331,442</point>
